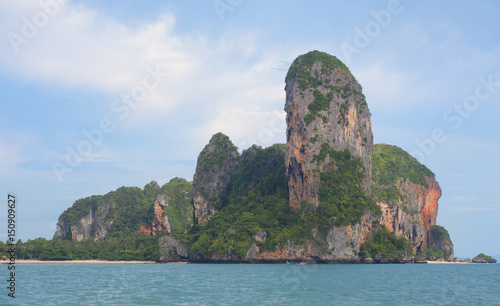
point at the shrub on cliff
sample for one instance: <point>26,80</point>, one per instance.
<point>301,65</point>
<point>180,206</point>
<point>343,200</point>
<point>386,244</point>
<point>391,164</point>
<point>256,198</point>
<point>440,246</point>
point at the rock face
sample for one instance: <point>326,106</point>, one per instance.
<point>160,220</point>
<point>260,236</point>
<point>327,120</point>
<point>94,225</point>
<point>324,106</point>
<point>346,241</point>
<point>408,194</point>
<point>481,258</point>
<point>324,197</point>
<point>95,217</point>
<point>171,250</point>
<point>414,213</point>
<point>440,240</point>
<point>216,164</point>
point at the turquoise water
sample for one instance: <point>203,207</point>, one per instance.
<point>256,284</point>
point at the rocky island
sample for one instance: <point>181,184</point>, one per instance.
<point>482,258</point>
<point>329,195</point>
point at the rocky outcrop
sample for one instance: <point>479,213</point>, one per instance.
<point>439,239</point>
<point>308,252</point>
<point>160,219</point>
<point>343,246</point>
<point>260,236</point>
<point>408,194</point>
<point>171,250</point>
<point>95,217</point>
<point>345,241</point>
<point>324,106</point>
<point>414,213</point>
<point>83,229</point>
<point>216,164</point>
<point>321,198</point>
<point>94,225</point>
<point>481,258</point>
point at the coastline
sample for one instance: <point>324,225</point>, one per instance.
<point>81,262</point>
<point>136,262</point>
<point>451,262</point>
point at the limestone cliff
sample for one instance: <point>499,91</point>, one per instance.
<point>439,241</point>
<point>216,163</point>
<point>92,223</point>
<point>414,213</point>
<point>160,220</point>
<point>129,210</point>
<point>325,106</point>
<point>328,195</point>
<point>171,250</point>
<point>407,194</point>
<point>339,193</point>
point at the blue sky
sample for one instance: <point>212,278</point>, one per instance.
<point>95,95</point>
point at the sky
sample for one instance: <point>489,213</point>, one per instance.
<point>95,95</point>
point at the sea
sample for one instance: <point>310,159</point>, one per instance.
<point>255,284</point>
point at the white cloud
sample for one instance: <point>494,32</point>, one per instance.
<point>246,127</point>
<point>246,103</point>
<point>81,48</point>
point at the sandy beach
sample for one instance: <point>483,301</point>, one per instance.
<point>448,262</point>
<point>82,262</point>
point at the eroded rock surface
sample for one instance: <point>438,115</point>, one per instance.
<point>325,106</point>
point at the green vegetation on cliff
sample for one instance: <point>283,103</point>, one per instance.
<point>256,198</point>
<point>483,256</point>
<point>303,63</point>
<point>391,164</point>
<point>216,153</point>
<point>128,207</point>
<point>218,156</point>
<point>440,245</point>
<point>301,71</point>
<point>80,208</point>
<point>320,103</point>
<point>178,194</point>
<point>439,233</point>
<point>249,193</point>
<point>341,194</point>
<point>123,211</point>
<point>386,244</point>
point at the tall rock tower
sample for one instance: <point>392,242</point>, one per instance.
<point>326,110</point>
<point>216,164</point>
